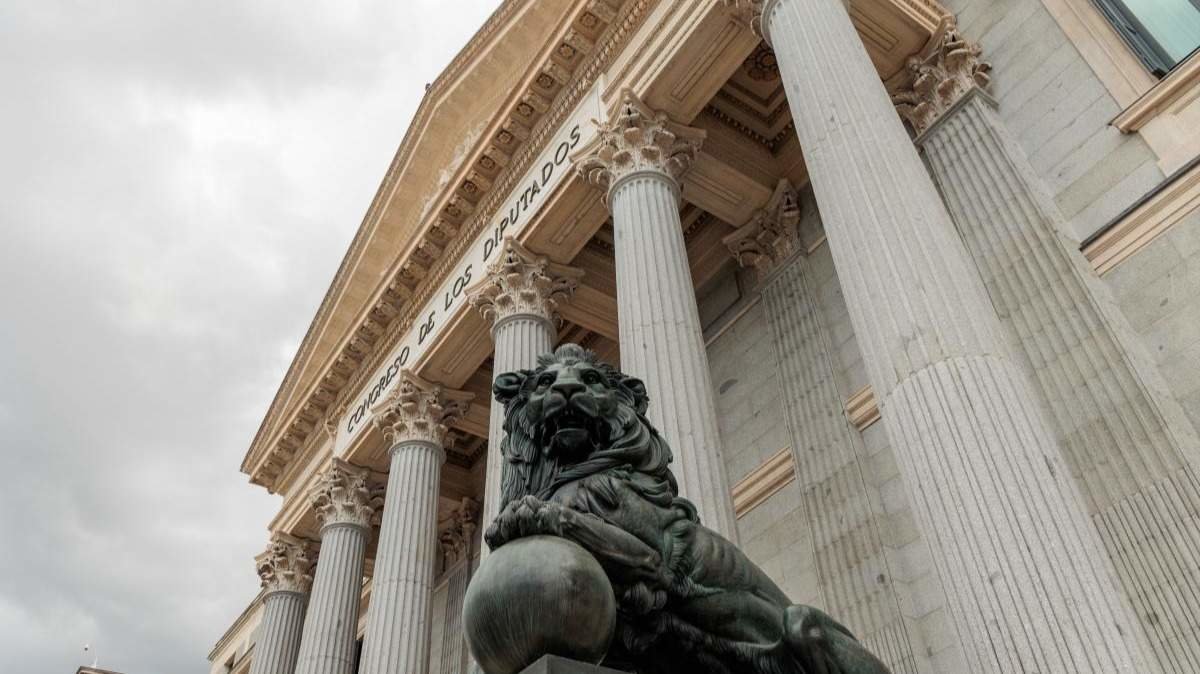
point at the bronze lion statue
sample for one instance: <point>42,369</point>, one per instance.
<point>583,463</point>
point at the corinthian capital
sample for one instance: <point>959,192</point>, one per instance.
<point>638,139</point>
<point>459,532</point>
<point>772,233</point>
<point>345,495</point>
<point>519,282</point>
<point>946,70</point>
<point>286,564</point>
<point>419,411</point>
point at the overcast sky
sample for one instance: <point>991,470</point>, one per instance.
<point>178,183</point>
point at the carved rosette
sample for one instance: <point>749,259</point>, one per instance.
<point>286,565</point>
<point>457,535</point>
<point>946,70</point>
<point>521,283</point>
<point>750,12</point>
<point>419,411</point>
<point>638,139</point>
<point>345,494</point>
<point>772,234</point>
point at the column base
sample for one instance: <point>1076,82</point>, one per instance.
<point>552,664</point>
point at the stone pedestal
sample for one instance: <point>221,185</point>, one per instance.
<point>414,420</point>
<point>286,572</point>
<point>1023,572</point>
<point>552,664</point>
<point>1127,441</point>
<point>639,159</point>
<point>345,506</point>
<point>519,297</point>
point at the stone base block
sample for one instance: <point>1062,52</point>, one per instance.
<point>552,664</point>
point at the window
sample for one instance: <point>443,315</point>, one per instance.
<point>1161,32</point>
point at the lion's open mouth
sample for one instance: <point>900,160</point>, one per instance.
<point>572,430</point>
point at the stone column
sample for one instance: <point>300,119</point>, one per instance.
<point>457,541</point>
<point>1023,572</point>
<point>519,296</point>
<point>345,503</point>
<point>286,571</point>
<point>639,159</point>
<point>1126,439</point>
<point>414,419</point>
<point>853,572</point>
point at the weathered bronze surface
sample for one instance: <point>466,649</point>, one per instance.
<point>582,463</point>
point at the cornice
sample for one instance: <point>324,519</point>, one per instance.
<point>474,218</point>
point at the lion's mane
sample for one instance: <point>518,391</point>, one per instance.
<point>633,442</point>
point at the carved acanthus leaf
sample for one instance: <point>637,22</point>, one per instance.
<point>419,411</point>
<point>946,70</point>
<point>286,565</point>
<point>638,139</point>
<point>458,534</point>
<point>519,282</point>
<point>345,494</point>
<point>772,233</point>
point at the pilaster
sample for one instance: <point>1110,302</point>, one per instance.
<point>853,572</point>
<point>457,541</point>
<point>1023,575</point>
<point>638,159</point>
<point>1125,438</point>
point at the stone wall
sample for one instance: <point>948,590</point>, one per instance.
<point>1059,111</point>
<point>1158,288</point>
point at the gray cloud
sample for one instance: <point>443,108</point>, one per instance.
<point>178,181</point>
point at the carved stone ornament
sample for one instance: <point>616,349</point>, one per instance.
<point>772,234</point>
<point>456,537</point>
<point>638,139</point>
<point>592,535</point>
<point>750,12</point>
<point>419,411</point>
<point>946,69</point>
<point>520,282</point>
<point>286,565</point>
<point>345,495</point>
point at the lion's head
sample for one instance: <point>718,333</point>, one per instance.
<point>574,416</point>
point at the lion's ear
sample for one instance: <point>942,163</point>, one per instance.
<point>508,385</point>
<point>636,389</point>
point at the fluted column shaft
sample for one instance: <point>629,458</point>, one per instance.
<point>1017,558</point>
<point>519,340</point>
<point>1126,439</point>
<point>398,617</point>
<point>279,637</point>
<point>853,572</point>
<point>661,339</point>
<point>286,571</point>
<point>331,622</point>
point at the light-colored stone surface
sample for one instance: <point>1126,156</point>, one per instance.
<point>1059,112</point>
<point>345,503</point>
<point>1125,437</point>
<point>415,419</point>
<point>853,571</point>
<point>286,571</point>
<point>639,160</point>
<point>972,443</point>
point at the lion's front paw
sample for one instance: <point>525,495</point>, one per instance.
<point>527,516</point>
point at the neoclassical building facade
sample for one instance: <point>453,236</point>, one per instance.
<point>913,285</point>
